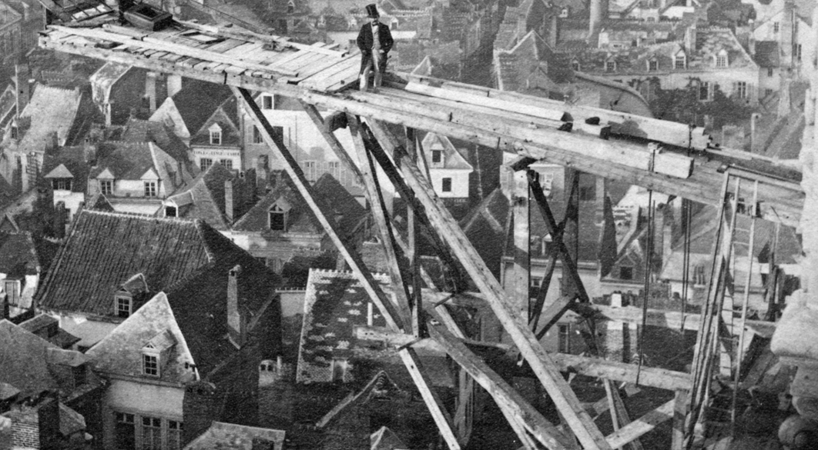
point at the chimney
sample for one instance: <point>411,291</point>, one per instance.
<point>690,40</point>
<point>229,200</point>
<point>235,321</point>
<point>150,90</point>
<point>599,12</point>
<point>751,45</point>
<point>174,84</point>
<point>6,312</point>
<point>21,80</point>
<point>261,174</point>
<point>785,39</point>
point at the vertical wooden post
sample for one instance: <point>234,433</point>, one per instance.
<point>520,206</point>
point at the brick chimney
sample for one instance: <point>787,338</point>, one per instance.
<point>229,201</point>
<point>150,89</point>
<point>598,13</point>
<point>785,36</point>
<point>21,76</point>
<point>235,319</point>
<point>690,40</point>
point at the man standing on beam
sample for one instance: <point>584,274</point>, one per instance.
<point>375,41</point>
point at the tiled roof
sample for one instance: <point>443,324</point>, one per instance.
<point>6,192</point>
<point>226,116</point>
<point>335,302</point>
<point>130,161</point>
<point>104,79</point>
<point>237,437</point>
<point>105,249</point>
<point>67,159</point>
<point>767,54</point>
<point>137,130</point>
<point>300,218</point>
<point>38,325</point>
<point>516,65</point>
<point>25,362</point>
<point>198,100</point>
<point>45,118</point>
<point>121,351</point>
<point>380,386</point>
<point>203,197</point>
<point>18,255</point>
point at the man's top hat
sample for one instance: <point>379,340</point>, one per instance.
<point>372,11</point>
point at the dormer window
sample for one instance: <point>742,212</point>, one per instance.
<point>150,365</point>
<point>150,189</point>
<point>12,290</point>
<point>61,184</point>
<point>610,65</point>
<point>721,59</point>
<point>215,134</point>
<point>14,132</point>
<point>680,60</point>
<point>653,65</point>
<point>278,215</point>
<point>290,7</point>
<point>123,305</point>
<point>155,353</point>
<point>106,187</point>
<point>575,65</point>
<point>267,102</point>
<point>564,12</point>
<point>437,158</point>
<point>171,211</point>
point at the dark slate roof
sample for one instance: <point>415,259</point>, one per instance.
<point>335,303</point>
<point>380,386</point>
<point>71,158</point>
<point>203,197</point>
<point>25,362</point>
<point>226,115</point>
<point>18,255</point>
<point>106,249</point>
<point>237,437</point>
<point>129,161</point>
<point>43,324</point>
<point>767,54</point>
<point>339,202</point>
<point>486,229</point>
<point>198,100</point>
<point>6,192</point>
<point>137,130</point>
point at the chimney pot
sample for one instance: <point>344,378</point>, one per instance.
<point>229,200</point>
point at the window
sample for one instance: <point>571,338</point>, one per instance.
<point>78,373</point>
<point>625,273</point>
<point>446,185</point>
<point>776,27</point>
<point>227,163</point>
<point>796,51</point>
<point>257,138</point>
<point>437,157</point>
<point>150,365</point>
<point>170,211</point>
<point>61,184</point>
<point>14,132</point>
<point>278,219</point>
<point>564,340</point>
<point>653,65</point>
<point>335,169</point>
<point>205,164</point>
<point>106,187</point>
<point>150,189</point>
<point>267,102</point>
<point>12,288</point>
<point>151,433</point>
<point>610,66</point>
<point>311,171</point>
<point>290,7</point>
<point>123,306</point>
<point>174,435</point>
<point>215,137</point>
<point>339,369</point>
<point>770,71</point>
<point>680,61</point>
<point>741,89</point>
<point>721,60</point>
<point>575,65</point>
<point>125,432</point>
<point>704,91</point>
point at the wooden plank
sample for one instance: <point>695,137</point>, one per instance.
<point>679,412</point>
<point>624,372</point>
<point>500,390</point>
<point>316,68</point>
<point>642,425</point>
<point>673,319</point>
<point>156,44</point>
<point>540,362</point>
<point>328,76</point>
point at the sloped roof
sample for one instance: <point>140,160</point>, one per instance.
<point>121,351</point>
<point>486,229</point>
<point>380,385</point>
<point>203,197</point>
<point>385,439</point>
<point>300,218</point>
<point>226,116</point>
<point>45,118</point>
<point>104,79</point>
<point>137,130</point>
<point>198,100</point>
<point>25,363</point>
<point>6,192</point>
<point>516,65</point>
<point>452,159</point>
<point>67,162</point>
<point>236,437</point>
<point>767,54</point>
<point>18,255</point>
<point>130,161</point>
<point>105,249</point>
<point>335,302</point>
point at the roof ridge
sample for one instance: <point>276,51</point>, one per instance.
<point>140,216</point>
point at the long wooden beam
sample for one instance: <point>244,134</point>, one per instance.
<point>544,368</point>
<point>673,319</point>
<point>702,186</point>
<point>503,393</point>
<point>641,425</point>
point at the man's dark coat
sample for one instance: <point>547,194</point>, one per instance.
<point>365,42</point>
